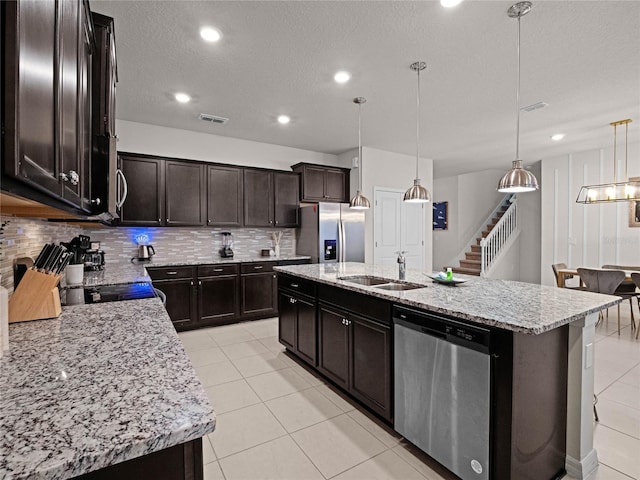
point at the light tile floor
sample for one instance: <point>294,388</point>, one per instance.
<point>277,420</point>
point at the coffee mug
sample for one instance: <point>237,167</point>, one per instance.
<point>74,274</point>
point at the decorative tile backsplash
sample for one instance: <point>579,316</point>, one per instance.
<point>174,243</point>
<point>24,237</point>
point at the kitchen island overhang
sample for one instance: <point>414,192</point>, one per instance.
<point>530,313</point>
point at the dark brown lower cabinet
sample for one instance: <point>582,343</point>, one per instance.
<point>334,339</point>
<point>259,294</point>
<point>182,305</point>
<point>297,325</point>
<point>355,353</point>
<point>180,462</point>
<point>218,299</point>
<point>371,363</point>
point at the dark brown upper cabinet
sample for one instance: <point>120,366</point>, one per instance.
<point>105,72</point>
<point>145,198</point>
<point>224,196</point>
<point>46,53</point>
<point>323,184</point>
<point>270,198</point>
<point>185,193</point>
<point>286,193</point>
<point>258,198</point>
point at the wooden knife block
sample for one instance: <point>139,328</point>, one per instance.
<point>36,298</point>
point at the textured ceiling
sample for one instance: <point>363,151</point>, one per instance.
<point>582,58</point>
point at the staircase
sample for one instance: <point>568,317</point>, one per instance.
<point>472,263</point>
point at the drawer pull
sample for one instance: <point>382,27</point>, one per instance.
<point>294,285</point>
<point>218,270</point>
<point>172,273</point>
<point>258,268</point>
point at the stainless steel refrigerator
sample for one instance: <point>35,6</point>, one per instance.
<point>331,232</point>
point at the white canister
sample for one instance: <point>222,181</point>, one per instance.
<point>74,274</point>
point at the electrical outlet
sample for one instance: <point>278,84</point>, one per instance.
<point>10,242</point>
<point>20,231</point>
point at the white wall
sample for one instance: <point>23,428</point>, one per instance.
<point>508,264</point>
<point>472,197</point>
<point>586,235</point>
<point>172,142</point>
<point>530,223</point>
<point>391,170</point>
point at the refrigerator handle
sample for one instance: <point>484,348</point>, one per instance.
<point>341,241</point>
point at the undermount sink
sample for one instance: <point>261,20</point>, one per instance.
<point>365,280</point>
<point>379,282</point>
<point>400,286</point>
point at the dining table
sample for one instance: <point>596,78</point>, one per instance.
<point>564,273</point>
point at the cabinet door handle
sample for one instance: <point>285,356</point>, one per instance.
<point>258,268</point>
<point>270,221</point>
<point>276,222</point>
<point>200,282</point>
<point>167,219</point>
<point>294,285</point>
<point>172,273</point>
<point>192,283</point>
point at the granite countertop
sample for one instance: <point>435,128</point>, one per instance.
<point>101,384</point>
<point>517,306</point>
<point>117,273</point>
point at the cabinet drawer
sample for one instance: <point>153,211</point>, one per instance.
<point>170,273</point>
<point>365,305</point>
<point>257,267</point>
<point>295,284</point>
<point>217,270</point>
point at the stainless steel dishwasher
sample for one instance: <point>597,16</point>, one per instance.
<point>442,389</point>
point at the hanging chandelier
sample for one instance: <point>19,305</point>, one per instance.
<point>626,191</point>
<point>417,193</point>
<point>518,179</point>
<point>359,202</point>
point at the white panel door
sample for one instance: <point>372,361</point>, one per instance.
<point>397,226</point>
<point>412,233</point>
<point>387,226</point>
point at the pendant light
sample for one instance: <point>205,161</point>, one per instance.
<point>518,180</point>
<point>626,191</point>
<point>417,193</point>
<point>359,202</point>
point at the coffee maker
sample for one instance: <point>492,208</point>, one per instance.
<point>93,258</point>
<point>227,245</point>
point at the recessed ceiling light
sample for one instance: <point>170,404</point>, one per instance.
<point>283,119</point>
<point>342,77</point>
<point>210,34</point>
<point>450,3</point>
<point>183,97</point>
<point>557,136</point>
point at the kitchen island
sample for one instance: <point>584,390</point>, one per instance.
<point>103,391</point>
<point>538,343</point>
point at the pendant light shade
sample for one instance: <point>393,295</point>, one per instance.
<point>359,202</point>
<point>518,180</point>
<point>417,193</point>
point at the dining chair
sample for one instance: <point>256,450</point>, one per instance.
<point>602,281</point>
<point>635,277</point>
<point>627,289</point>
<point>560,266</point>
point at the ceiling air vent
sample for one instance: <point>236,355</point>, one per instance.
<point>205,117</point>
<point>534,106</point>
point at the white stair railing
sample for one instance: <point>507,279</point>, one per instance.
<point>491,245</point>
<point>505,202</point>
